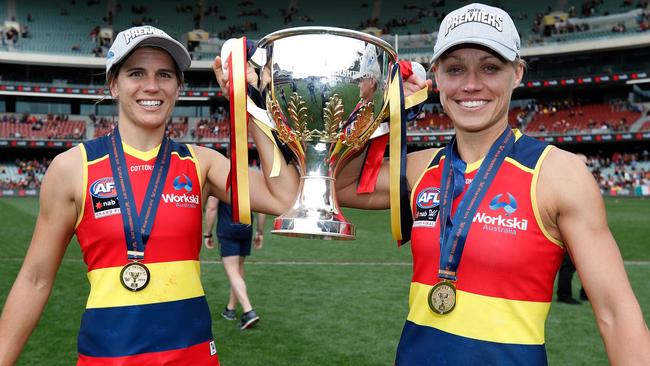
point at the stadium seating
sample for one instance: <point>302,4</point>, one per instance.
<point>212,129</point>
<point>53,32</point>
<point>42,128</point>
<point>645,126</point>
<point>22,173</point>
<point>595,118</point>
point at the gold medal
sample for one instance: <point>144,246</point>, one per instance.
<point>442,297</point>
<point>134,276</point>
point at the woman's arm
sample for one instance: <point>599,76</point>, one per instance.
<point>54,229</point>
<point>571,202</point>
<point>348,178</point>
<point>272,195</point>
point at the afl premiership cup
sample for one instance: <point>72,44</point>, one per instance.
<point>326,92</point>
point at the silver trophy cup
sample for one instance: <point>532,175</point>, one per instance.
<point>326,92</point>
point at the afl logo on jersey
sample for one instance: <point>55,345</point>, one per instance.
<point>428,198</point>
<point>104,197</point>
<point>103,188</point>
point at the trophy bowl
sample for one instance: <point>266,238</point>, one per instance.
<point>325,89</point>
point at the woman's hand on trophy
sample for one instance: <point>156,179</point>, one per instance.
<point>220,68</point>
<point>415,83</point>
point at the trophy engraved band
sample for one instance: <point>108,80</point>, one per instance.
<point>326,92</point>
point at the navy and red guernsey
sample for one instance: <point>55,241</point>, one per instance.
<point>168,322</point>
<point>505,276</point>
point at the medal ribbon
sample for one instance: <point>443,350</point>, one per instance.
<point>137,228</point>
<point>453,232</point>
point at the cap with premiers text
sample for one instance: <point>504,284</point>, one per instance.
<point>478,24</point>
<point>127,41</point>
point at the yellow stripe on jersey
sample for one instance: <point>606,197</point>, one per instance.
<point>482,317</point>
<point>98,159</point>
<point>84,183</point>
<point>197,166</point>
<point>519,165</point>
<point>142,155</point>
<point>533,199</point>
<point>183,157</point>
<point>169,281</point>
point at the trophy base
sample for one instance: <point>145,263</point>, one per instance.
<point>314,229</point>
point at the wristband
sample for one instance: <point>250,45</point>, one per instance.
<point>207,236</point>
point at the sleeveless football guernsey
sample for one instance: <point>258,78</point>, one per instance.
<point>168,322</point>
<point>505,276</point>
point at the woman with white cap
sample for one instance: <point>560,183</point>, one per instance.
<point>493,214</point>
<point>134,200</point>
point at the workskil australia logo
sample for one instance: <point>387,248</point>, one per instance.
<point>183,200</point>
<point>501,217</point>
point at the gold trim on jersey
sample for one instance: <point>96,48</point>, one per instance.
<point>142,155</point>
<point>197,166</point>
<point>97,160</point>
<point>84,183</point>
<point>533,199</point>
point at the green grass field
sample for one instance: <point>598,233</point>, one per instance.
<point>321,302</point>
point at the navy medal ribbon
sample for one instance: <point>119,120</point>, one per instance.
<point>453,231</point>
<point>137,228</point>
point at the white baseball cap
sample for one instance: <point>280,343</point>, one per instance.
<point>478,24</point>
<point>369,64</point>
<point>419,70</point>
<point>128,40</point>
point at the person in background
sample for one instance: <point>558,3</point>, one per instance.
<point>234,246</point>
<point>564,278</point>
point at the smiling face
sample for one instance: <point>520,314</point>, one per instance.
<point>475,87</point>
<point>146,87</point>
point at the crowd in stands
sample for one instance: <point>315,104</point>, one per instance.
<point>406,22</point>
<point>569,21</point>
<point>47,127</point>
<point>102,125</point>
<point>215,127</point>
<point>621,173</point>
<point>23,173</point>
<point>432,118</point>
<point>616,174</point>
<point>434,16</point>
<point>555,117</point>
<point>573,116</point>
<point>247,25</point>
<point>177,128</point>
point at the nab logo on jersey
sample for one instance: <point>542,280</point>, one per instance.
<point>103,188</point>
<point>182,183</point>
<point>509,206</point>
<point>428,198</point>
